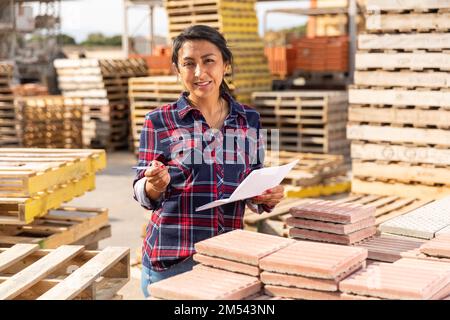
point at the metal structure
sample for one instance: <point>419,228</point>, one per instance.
<point>151,4</point>
<point>30,39</point>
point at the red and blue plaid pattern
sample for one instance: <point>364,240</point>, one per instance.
<point>203,167</point>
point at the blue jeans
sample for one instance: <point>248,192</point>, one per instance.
<point>151,276</point>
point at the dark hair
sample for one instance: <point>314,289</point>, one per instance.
<point>202,32</point>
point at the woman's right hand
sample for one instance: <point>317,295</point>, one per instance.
<point>158,177</point>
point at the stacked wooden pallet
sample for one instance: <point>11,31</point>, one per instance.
<point>307,121</point>
<point>8,133</point>
<point>399,117</point>
<point>49,121</point>
<point>34,181</point>
<point>29,89</point>
<point>65,273</point>
<point>237,21</point>
<point>147,94</point>
<point>103,86</point>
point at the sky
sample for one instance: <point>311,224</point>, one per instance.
<point>81,17</point>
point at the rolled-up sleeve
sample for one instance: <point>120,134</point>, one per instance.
<point>150,148</point>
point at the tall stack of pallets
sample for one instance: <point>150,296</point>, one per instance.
<point>308,121</point>
<point>237,21</point>
<point>8,133</point>
<point>103,86</point>
<point>34,183</point>
<point>49,121</point>
<point>399,117</point>
<point>147,94</point>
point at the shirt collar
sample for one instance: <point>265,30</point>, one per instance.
<point>184,108</point>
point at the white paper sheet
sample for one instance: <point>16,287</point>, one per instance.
<point>254,184</point>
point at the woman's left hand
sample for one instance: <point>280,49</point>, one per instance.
<point>270,197</point>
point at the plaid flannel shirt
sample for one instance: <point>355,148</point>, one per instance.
<point>175,226</point>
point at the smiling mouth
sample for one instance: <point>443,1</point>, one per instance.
<point>202,83</point>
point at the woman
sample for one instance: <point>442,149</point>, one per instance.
<point>200,148</point>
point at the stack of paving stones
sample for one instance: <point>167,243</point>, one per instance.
<point>437,249</point>
<point>425,222</point>
<point>331,221</point>
<point>308,270</point>
<point>241,253</point>
<point>387,248</point>
<point>403,279</point>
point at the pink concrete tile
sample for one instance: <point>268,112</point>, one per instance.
<point>297,293</point>
<point>437,247</point>
<point>206,284</point>
<point>333,238</point>
<point>336,228</point>
<point>349,296</point>
<point>416,254</point>
<point>396,281</point>
<point>228,265</point>
<point>312,259</point>
<point>332,211</point>
<point>388,249</point>
<point>242,246</point>
<point>262,296</point>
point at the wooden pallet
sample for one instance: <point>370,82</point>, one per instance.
<point>65,225</point>
<point>406,5</point>
<point>407,42</point>
<point>408,22</point>
<point>68,272</point>
<point>8,132</point>
<point>402,60</point>
<point>330,186</point>
<point>45,121</point>
<point>311,169</point>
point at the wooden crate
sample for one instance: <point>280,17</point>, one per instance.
<point>65,225</point>
<point>68,272</point>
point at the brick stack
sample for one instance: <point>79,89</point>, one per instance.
<point>400,105</point>
<point>281,60</point>
<point>8,133</point>
<point>403,279</point>
<point>237,21</point>
<point>308,121</point>
<point>103,86</point>
<point>331,221</point>
<point>49,121</point>
<point>312,271</point>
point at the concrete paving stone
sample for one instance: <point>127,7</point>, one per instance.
<point>336,228</point>
<point>416,254</point>
<point>387,248</point>
<point>206,283</point>
<point>331,211</point>
<point>312,259</point>
<point>286,280</point>
<point>445,230</point>
<point>304,294</point>
<point>242,246</point>
<point>424,222</point>
<point>345,239</point>
<point>228,265</point>
<point>437,247</point>
<point>349,296</point>
<point>262,296</point>
<point>396,281</point>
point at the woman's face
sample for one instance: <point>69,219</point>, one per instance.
<point>201,68</point>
